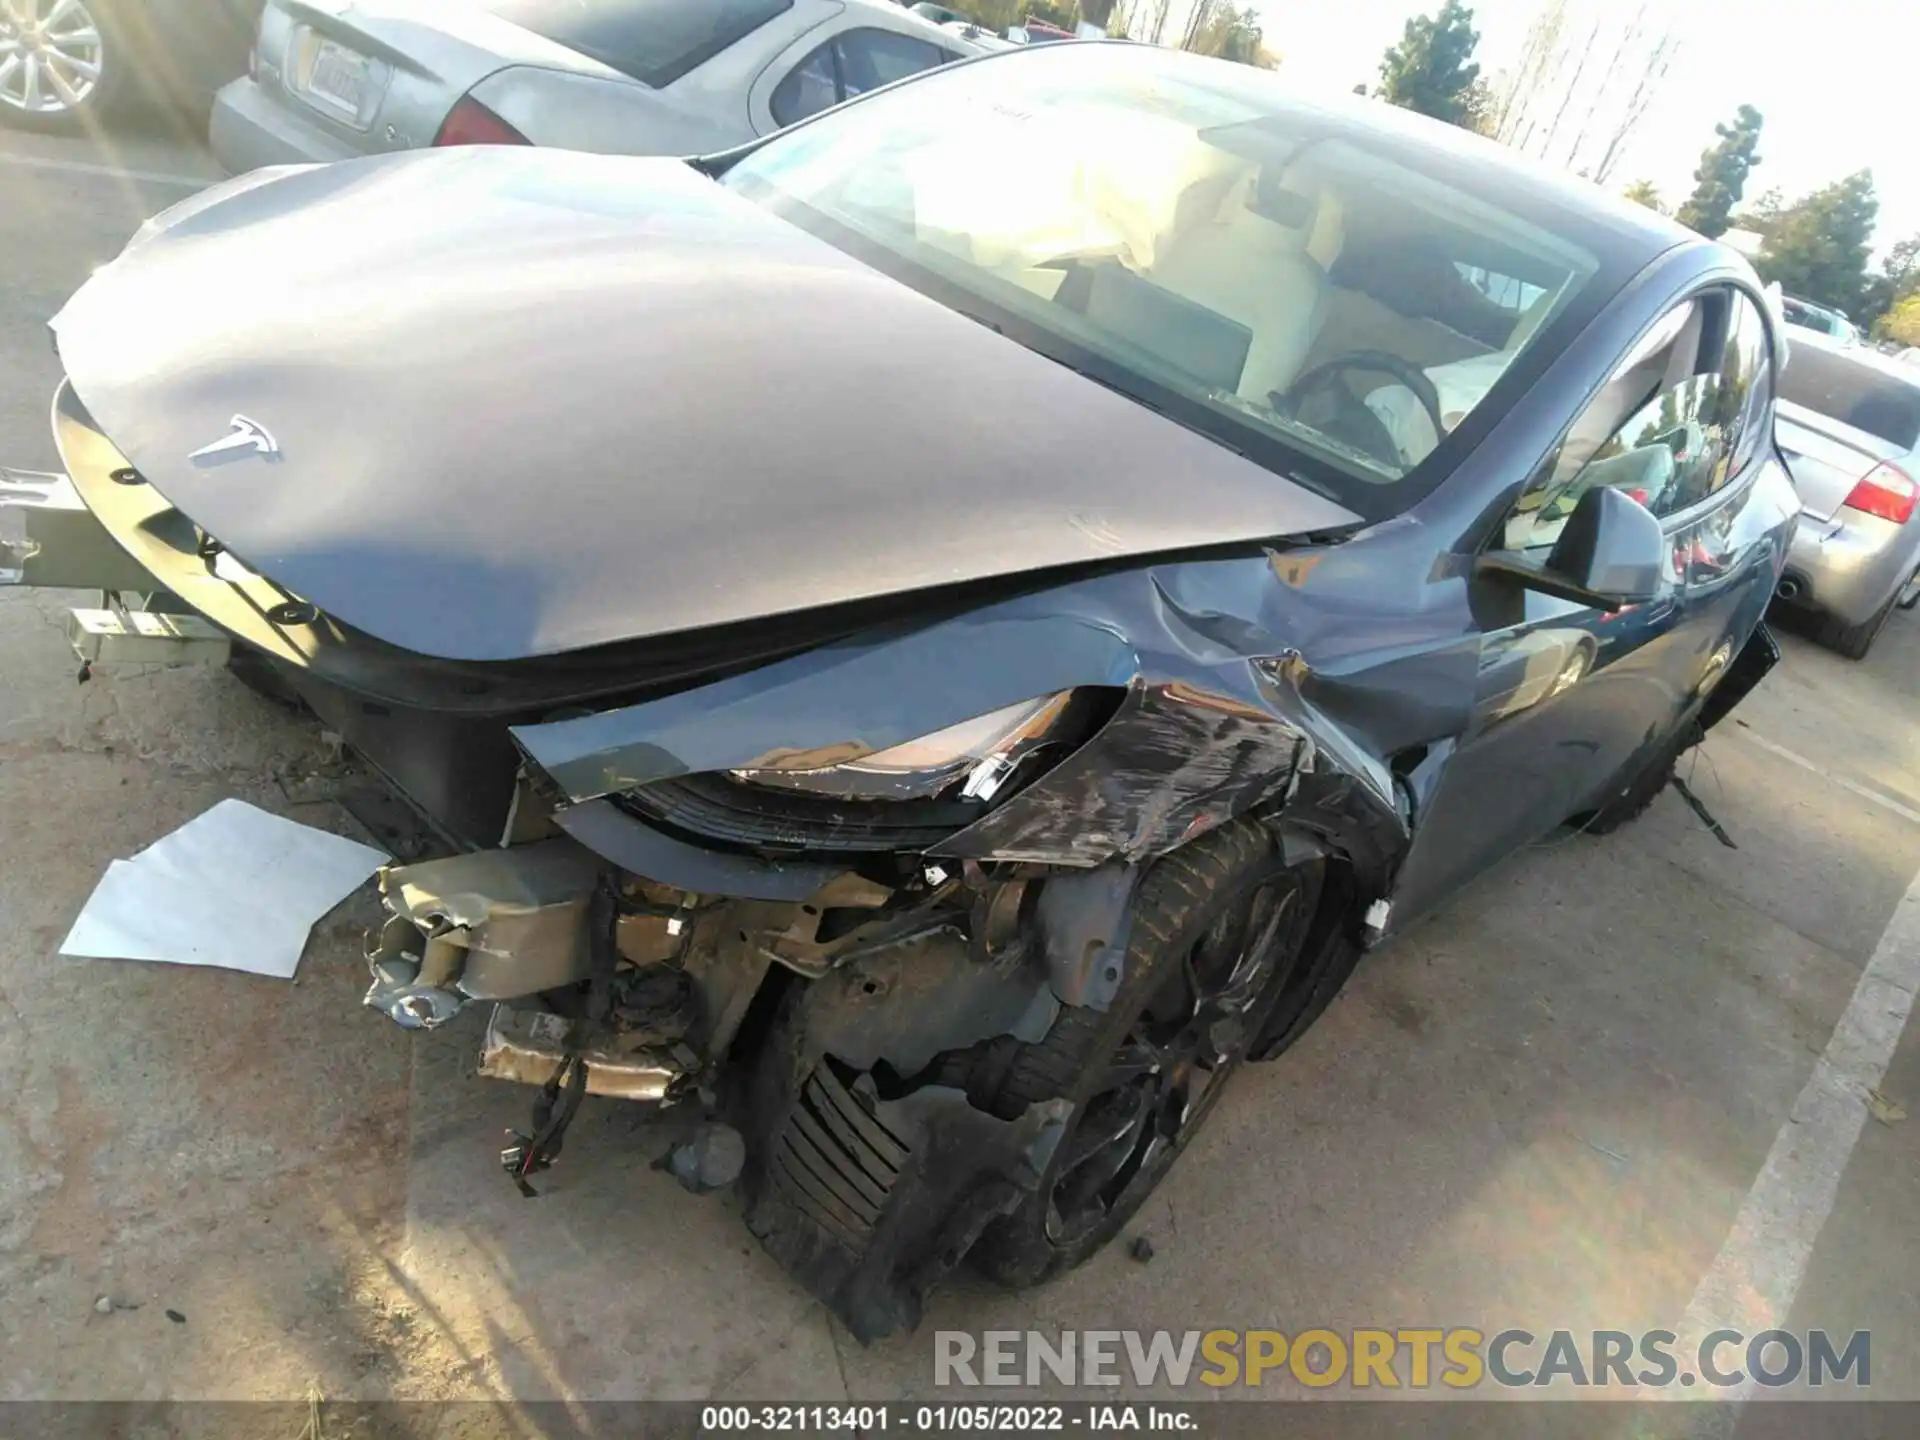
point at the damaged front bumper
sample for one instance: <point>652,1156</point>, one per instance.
<point>843,982</point>
<point>875,1148</point>
<point>865,1091</point>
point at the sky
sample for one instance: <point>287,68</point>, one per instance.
<point>1837,80</point>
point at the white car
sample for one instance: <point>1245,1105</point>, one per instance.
<point>977,35</point>
<point>1819,319</point>
<point>639,77</point>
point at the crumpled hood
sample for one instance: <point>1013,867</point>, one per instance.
<point>529,401</point>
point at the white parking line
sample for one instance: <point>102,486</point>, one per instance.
<point>110,172</point>
<point>1854,787</point>
<point>1754,1279</point>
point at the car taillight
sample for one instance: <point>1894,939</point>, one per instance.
<point>1886,491</point>
<point>471,123</point>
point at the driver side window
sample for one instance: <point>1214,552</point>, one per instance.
<point>1660,430</point>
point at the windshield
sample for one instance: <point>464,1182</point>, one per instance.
<point>1854,393</point>
<point>1190,233</point>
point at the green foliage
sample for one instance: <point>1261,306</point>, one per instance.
<point>1432,69</point>
<point>1482,109</point>
<point>1877,297</point>
<point>1817,247</point>
<point>1903,265</point>
<point>1898,280</point>
<point>1721,178</point>
<point>1761,216</point>
<point>1903,321</point>
<point>1231,34</point>
<point>1644,192</point>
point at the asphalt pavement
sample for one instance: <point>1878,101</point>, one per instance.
<point>1605,1089</point>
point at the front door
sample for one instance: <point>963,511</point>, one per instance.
<point>1573,700</point>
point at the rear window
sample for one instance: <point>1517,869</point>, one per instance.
<point>1859,395</point>
<point>654,41</point>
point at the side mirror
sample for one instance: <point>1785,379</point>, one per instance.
<point>1610,553</point>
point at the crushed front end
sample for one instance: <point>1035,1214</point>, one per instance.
<point>830,882</point>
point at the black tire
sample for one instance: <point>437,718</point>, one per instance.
<point>1634,794</point>
<point>112,55</point>
<point>1187,915</point>
<point>1853,641</point>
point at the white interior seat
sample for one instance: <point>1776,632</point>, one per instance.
<point>1242,262</point>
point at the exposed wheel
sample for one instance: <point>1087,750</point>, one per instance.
<point>61,67</point>
<point>1218,938</point>
<point>1853,641</point>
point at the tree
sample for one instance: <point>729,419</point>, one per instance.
<point>1878,295</point>
<point>1896,280</point>
<point>1152,20</point>
<point>1903,322</point>
<point>1540,58</point>
<point>1761,216</point>
<point>1049,12</point>
<point>1817,247</point>
<point>1481,103</point>
<point>1644,192</point>
<point>1432,69</point>
<point>1580,88</point>
<point>1230,33</point>
<point>1903,265</point>
<point>1199,20</point>
<point>1721,178</point>
<point>1650,72</point>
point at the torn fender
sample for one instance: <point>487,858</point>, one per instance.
<point>1224,711</point>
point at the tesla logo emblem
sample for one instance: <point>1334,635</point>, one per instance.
<point>249,437</point>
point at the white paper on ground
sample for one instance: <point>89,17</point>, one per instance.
<point>236,887</point>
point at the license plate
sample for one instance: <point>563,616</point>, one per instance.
<point>338,79</point>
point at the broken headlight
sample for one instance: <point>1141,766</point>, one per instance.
<point>973,760</point>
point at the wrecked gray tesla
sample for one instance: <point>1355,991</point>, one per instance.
<point>939,635</point>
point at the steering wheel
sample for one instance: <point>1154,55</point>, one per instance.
<point>1413,377</point>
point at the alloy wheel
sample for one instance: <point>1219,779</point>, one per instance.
<point>50,55</point>
<point>1172,1065</point>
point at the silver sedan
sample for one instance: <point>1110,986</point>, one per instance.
<point>1849,428</point>
<point>642,77</point>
